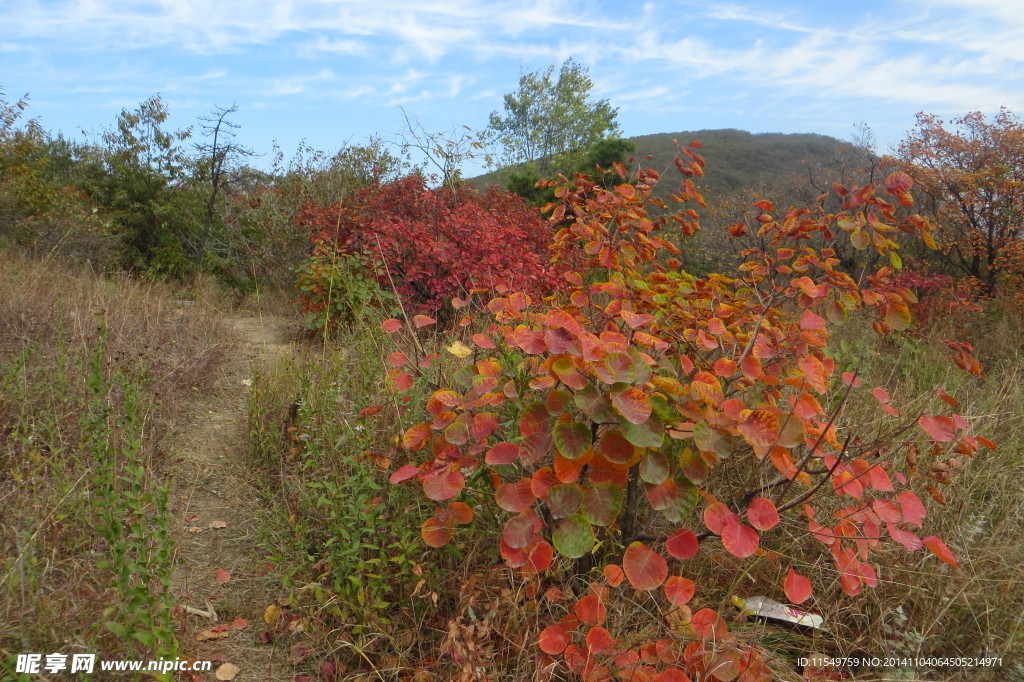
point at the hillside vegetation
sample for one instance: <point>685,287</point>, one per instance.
<point>510,442</point>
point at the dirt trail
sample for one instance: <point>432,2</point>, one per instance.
<point>215,515</point>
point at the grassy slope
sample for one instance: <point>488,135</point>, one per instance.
<point>75,461</point>
<point>736,159</point>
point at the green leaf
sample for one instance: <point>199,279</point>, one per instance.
<point>654,467</point>
<point>563,500</point>
<point>116,628</point>
<point>662,410</point>
<point>572,440</point>
<point>602,504</point>
<point>684,503</point>
<point>709,439</point>
<point>595,405</point>
<point>146,638</point>
<point>650,434</point>
<point>693,465</point>
<point>574,536</point>
<point>534,419</point>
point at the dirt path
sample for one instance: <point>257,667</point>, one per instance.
<point>215,514</point>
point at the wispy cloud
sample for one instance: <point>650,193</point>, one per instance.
<point>743,63</point>
<point>295,85</point>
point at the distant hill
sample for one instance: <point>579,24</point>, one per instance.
<point>736,160</point>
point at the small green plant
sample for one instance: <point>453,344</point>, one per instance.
<point>132,513</point>
<point>343,552</point>
<point>339,288</point>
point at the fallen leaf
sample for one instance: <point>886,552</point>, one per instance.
<point>239,624</point>
<point>266,637</point>
<point>211,634</point>
<point>223,576</point>
<point>195,529</point>
<point>218,524</point>
<point>459,350</point>
<point>227,671</point>
<point>191,519</point>
<point>299,653</point>
<point>272,614</point>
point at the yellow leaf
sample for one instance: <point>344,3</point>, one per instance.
<point>271,614</point>
<point>459,350</point>
<point>228,671</point>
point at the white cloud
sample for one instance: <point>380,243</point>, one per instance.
<point>296,85</point>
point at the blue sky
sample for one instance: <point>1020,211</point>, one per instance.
<point>337,71</point>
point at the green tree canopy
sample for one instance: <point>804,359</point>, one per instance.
<point>552,123</point>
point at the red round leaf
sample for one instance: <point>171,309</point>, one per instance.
<point>434,533</point>
<point>553,639</point>
<point>740,541</point>
<point>590,610</point>
<point>518,531</point>
<point>514,497</point>
<point>682,544</point>
<point>613,574</point>
<point>599,639</point>
<point>633,404</point>
<point>679,590</point>
<point>440,487</point>
<point>615,448</point>
<point>797,587</point>
<point>760,428</point>
<point>391,325</point>
<point>416,437</point>
<point>716,515</point>
<point>460,512</point>
<point>645,569</point>
<point>502,453</point>
<point>762,514</point>
<point>540,557</point>
<point>707,624</point>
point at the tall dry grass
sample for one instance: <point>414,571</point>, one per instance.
<point>54,592</point>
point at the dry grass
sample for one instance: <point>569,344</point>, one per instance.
<point>922,607</point>
<point>52,593</point>
<point>485,619</point>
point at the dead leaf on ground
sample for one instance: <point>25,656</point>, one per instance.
<point>236,624</point>
<point>271,614</point>
<point>228,671</point>
<point>299,653</point>
<point>195,529</point>
<point>212,633</point>
<point>191,519</point>
<point>218,524</point>
<point>223,576</point>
